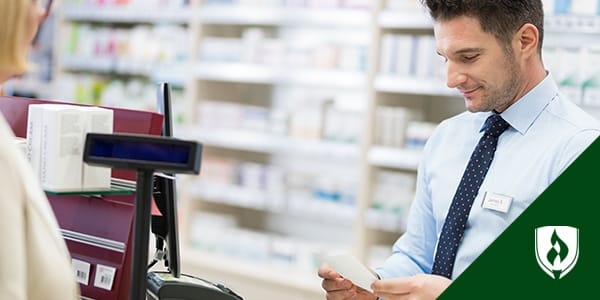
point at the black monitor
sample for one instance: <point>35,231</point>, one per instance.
<point>165,226</point>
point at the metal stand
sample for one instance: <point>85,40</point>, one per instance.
<point>141,232</point>
<point>147,154</point>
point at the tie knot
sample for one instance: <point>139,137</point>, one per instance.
<point>495,125</point>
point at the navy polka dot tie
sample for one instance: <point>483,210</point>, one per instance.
<point>457,216</point>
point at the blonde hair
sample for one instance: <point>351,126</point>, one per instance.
<point>13,55</point>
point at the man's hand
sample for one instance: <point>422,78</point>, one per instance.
<point>419,287</point>
<point>339,288</point>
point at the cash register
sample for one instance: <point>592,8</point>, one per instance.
<point>150,155</point>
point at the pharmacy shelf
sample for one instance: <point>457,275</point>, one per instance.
<point>240,15</point>
<point>257,272</point>
<point>392,19</point>
<point>26,85</point>
<point>404,20</point>
<point>175,74</point>
<point>244,197</point>
<point>384,221</point>
<point>97,64</point>
<point>253,73</point>
<point>233,195</point>
<point>412,85</point>
<point>230,138</point>
<point>268,143</point>
<point>119,14</point>
<point>390,157</point>
<point>572,24</point>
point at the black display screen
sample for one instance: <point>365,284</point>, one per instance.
<point>142,152</point>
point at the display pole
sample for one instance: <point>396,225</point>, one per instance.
<point>141,232</point>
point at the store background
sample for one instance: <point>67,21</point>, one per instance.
<point>312,112</point>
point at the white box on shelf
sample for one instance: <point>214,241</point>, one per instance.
<point>405,55</point>
<point>61,147</point>
<point>97,120</point>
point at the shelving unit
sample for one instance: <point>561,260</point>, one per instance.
<point>279,222</point>
<point>114,54</point>
<point>295,106</point>
<point>570,51</point>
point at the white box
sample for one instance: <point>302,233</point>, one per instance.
<point>425,56</point>
<point>61,147</point>
<point>405,55</point>
<point>389,48</point>
<point>34,137</point>
<point>97,120</point>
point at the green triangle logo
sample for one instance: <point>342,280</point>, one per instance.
<point>547,252</point>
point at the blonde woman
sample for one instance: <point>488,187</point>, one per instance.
<point>34,260</point>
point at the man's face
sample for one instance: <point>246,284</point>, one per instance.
<point>483,72</point>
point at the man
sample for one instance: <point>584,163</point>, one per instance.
<point>492,50</point>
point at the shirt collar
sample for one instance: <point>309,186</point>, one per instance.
<point>521,114</point>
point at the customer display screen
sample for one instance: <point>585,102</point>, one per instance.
<point>142,152</point>
<point>148,152</point>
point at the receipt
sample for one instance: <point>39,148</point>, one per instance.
<point>352,269</point>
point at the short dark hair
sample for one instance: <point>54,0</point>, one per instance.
<point>502,18</point>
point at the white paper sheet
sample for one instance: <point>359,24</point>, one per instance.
<point>351,268</point>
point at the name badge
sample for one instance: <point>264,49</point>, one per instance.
<point>497,202</point>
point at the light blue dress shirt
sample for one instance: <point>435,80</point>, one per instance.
<point>546,133</point>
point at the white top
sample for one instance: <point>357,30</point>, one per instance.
<point>34,260</point>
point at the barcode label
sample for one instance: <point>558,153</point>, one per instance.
<point>105,276</point>
<point>82,271</point>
